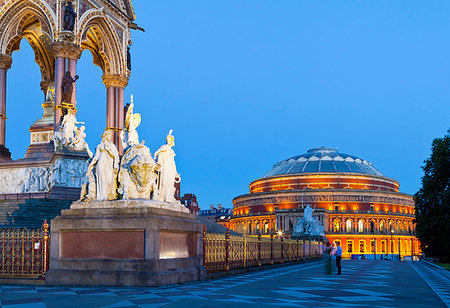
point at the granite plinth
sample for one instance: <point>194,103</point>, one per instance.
<point>132,203</point>
<point>124,246</point>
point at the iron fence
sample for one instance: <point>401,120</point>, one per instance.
<point>24,252</point>
<point>222,252</point>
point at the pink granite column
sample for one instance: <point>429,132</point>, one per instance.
<point>73,73</point>
<point>5,64</point>
<point>115,85</point>
<point>66,55</point>
<point>59,75</point>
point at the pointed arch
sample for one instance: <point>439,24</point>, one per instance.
<point>98,35</point>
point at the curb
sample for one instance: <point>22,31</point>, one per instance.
<point>432,264</point>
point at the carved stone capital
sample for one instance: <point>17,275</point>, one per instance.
<point>5,62</point>
<point>115,81</point>
<point>66,50</point>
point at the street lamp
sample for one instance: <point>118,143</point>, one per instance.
<point>280,233</point>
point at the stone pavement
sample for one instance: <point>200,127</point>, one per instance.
<point>363,284</point>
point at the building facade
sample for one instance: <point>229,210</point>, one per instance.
<point>358,206</point>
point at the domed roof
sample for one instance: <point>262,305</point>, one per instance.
<point>325,160</point>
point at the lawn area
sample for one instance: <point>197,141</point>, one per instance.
<point>444,265</point>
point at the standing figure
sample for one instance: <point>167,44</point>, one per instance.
<point>106,164</point>
<point>68,127</point>
<point>129,135</point>
<point>79,143</point>
<point>67,88</point>
<point>338,258</point>
<point>168,171</point>
<point>69,17</point>
<point>128,58</point>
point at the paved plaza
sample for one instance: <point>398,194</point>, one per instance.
<point>363,283</point>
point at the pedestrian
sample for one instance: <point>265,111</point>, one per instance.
<point>338,257</point>
<point>327,259</point>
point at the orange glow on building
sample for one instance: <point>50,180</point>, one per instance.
<point>357,204</point>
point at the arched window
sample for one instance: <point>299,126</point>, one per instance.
<point>249,228</point>
<point>360,226</point>
<point>336,224</point>
<point>349,226</point>
<point>382,226</point>
<point>372,227</point>
<point>257,228</point>
<point>266,227</point>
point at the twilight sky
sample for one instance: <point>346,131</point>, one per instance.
<point>245,84</point>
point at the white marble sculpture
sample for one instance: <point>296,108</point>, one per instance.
<point>102,171</point>
<point>129,133</point>
<point>137,175</point>
<point>168,175</point>
<point>68,125</point>
<point>308,225</point>
<point>79,143</point>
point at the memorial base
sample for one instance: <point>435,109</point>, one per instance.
<point>129,246</point>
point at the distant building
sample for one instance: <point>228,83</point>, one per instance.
<point>190,201</point>
<point>220,214</point>
<point>358,206</point>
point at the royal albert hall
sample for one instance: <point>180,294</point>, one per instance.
<point>358,206</point>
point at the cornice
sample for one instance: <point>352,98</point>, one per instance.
<point>115,81</point>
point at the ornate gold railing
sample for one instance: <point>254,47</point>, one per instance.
<point>24,252</point>
<point>222,252</point>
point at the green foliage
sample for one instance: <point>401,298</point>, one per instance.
<point>433,202</point>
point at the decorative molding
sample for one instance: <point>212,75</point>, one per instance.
<point>115,81</point>
<point>66,50</point>
<point>5,62</point>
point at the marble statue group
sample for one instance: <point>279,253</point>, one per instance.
<point>308,225</point>
<point>138,174</point>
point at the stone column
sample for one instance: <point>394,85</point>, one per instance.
<point>115,87</point>
<point>66,56</point>
<point>5,64</point>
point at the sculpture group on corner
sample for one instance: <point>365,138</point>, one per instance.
<point>137,175</point>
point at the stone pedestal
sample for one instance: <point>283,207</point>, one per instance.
<point>125,243</point>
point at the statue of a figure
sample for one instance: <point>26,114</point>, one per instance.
<point>68,125</point>
<point>69,17</point>
<point>78,142</point>
<point>168,172</point>
<point>129,134</point>
<point>67,88</point>
<point>103,169</point>
<point>50,95</point>
<point>308,224</point>
<point>128,58</point>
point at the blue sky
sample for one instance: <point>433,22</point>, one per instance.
<point>245,84</point>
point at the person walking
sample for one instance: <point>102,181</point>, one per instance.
<point>338,257</point>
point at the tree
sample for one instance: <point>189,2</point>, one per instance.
<point>433,202</point>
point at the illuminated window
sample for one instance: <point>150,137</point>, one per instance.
<point>360,226</point>
<point>266,227</point>
<point>372,246</point>
<point>349,246</point>
<point>382,226</point>
<point>361,247</point>
<point>257,227</point>
<point>349,226</point>
<point>336,226</point>
<point>383,246</point>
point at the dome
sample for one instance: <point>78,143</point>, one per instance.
<point>325,160</point>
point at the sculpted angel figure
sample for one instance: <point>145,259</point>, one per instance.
<point>103,169</point>
<point>168,172</point>
<point>132,121</point>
